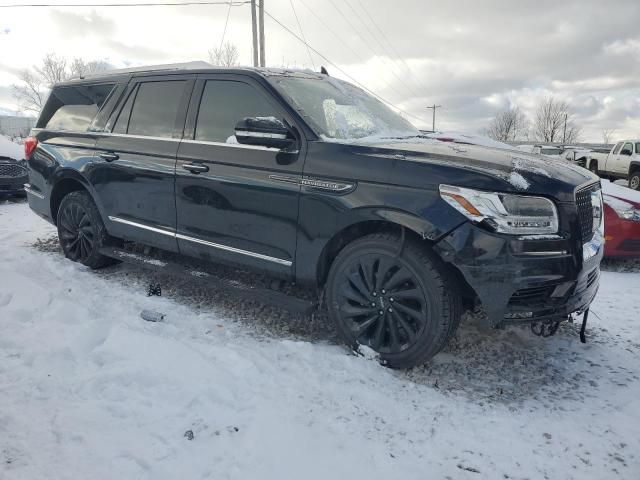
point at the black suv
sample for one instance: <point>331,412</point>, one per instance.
<point>315,181</point>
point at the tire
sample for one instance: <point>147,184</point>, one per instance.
<point>404,307</point>
<point>593,167</point>
<point>81,232</point>
<point>634,180</point>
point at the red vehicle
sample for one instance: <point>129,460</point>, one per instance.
<point>621,220</point>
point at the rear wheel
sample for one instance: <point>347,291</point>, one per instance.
<point>634,180</point>
<point>405,307</point>
<point>81,232</point>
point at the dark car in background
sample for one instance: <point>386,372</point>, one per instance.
<point>13,168</point>
<point>315,181</point>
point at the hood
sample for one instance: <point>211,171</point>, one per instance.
<point>517,170</point>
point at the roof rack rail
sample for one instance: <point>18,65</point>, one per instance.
<point>149,68</point>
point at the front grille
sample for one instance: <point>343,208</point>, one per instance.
<point>585,211</point>
<point>11,170</point>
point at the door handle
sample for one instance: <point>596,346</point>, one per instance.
<point>195,167</point>
<point>109,156</point>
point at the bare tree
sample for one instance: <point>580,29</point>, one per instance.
<point>82,68</point>
<point>554,122</point>
<point>607,135</point>
<point>35,83</point>
<point>508,125</point>
<point>226,55</point>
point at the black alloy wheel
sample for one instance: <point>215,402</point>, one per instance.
<point>77,233</point>
<point>81,232</point>
<point>400,302</point>
<point>382,302</point>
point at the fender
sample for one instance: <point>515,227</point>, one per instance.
<point>311,249</point>
<point>62,174</point>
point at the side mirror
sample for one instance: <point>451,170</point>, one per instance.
<point>625,151</point>
<point>263,131</point>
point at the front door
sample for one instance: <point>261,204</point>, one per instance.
<point>135,177</point>
<point>236,203</point>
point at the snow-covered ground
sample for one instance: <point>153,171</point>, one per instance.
<point>89,390</point>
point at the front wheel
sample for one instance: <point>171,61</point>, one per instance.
<point>81,232</point>
<point>402,305</point>
<point>634,180</point>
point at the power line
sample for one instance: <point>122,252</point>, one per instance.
<point>302,33</point>
<point>232,3</point>
<point>224,32</point>
<point>291,32</point>
<point>397,55</point>
<point>357,31</point>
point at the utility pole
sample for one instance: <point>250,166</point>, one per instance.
<point>254,31</point>
<point>433,107</point>
<point>261,29</point>
<point>564,130</point>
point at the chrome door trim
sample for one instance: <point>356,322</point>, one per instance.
<point>279,261</point>
<point>27,188</point>
<point>141,225</point>
<point>181,236</point>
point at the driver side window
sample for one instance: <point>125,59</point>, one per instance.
<point>628,148</point>
<point>223,104</point>
<point>617,148</point>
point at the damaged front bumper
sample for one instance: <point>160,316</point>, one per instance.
<point>523,280</point>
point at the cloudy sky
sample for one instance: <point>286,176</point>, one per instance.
<point>472,57</point>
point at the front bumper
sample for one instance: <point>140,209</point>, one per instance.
<point>522,280</point>
<point>13,185</point>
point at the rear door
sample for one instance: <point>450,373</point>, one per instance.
<point>135,177</point>
<point>241,203</point>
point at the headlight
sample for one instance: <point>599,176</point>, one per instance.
<point>504,212</point>
<point>623,209</point>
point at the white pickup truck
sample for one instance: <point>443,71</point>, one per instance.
<point>623,161</point>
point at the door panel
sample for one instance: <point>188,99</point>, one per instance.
<point>136,168</point>
<point>244,208</point>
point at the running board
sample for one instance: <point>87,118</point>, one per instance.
<point>171,268</point>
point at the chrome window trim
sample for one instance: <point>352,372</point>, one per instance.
<point>232,145</point>
<point>181,236</point>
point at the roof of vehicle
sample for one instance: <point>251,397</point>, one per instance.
<point>191,67</point>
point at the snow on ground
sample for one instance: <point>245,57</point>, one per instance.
<point>88,390</point>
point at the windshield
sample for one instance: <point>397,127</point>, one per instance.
<point>337,110</point>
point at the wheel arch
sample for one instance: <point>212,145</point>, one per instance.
<point>65,182</point>
<point>408,227</point>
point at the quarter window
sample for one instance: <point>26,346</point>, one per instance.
<point>224,103</point>
<point>155,109</point>
<point>75,107</point>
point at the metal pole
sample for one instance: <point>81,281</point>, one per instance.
<point>433,107</point>
<point>254,31</point>
<point>261,28</point>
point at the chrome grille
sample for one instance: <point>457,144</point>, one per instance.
<point>585,211</point>
<point>12,170</point>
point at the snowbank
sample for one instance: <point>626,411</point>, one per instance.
<point>88,390</point>
<point>10,149</point>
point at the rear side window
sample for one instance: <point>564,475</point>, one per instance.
<point>74,107</point>
<point>155,109</point>
<point>224,103</point>
<point>638,147</point>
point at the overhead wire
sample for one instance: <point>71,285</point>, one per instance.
<point>319,54</point>
<point>302,32</point>
<point>224,31</point>
<point>234,3</point>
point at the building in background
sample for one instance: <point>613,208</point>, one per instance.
<point>15,126</point>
